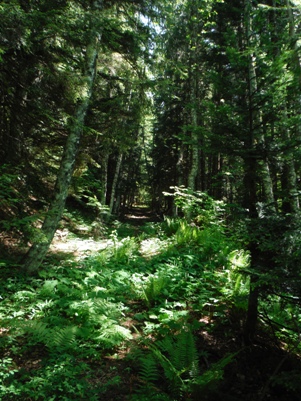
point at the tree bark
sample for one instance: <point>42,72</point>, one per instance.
<point>193,98</point>
<point>40,247</point>
<point>251,166</point>
<point>194,168</point>
<point>289,179</point>
<point>115,181</point>
<point>104,178</point>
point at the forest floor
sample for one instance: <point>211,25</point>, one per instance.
<point>64,244</point>
<point>264,371</point>
<point>250,378</point>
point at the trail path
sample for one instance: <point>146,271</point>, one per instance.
<point>63,243</point>
<point>77,246</point>
<point>139,216</point>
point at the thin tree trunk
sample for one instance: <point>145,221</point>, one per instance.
<point>194,167</point>
<point>179,179</point>
<point>39,248</point>
<point>255,116</point>
<point>289,174</point>
<point>290,203</point>
<point>251,166</point>
<point>104,179</point>
<point>193,97</point>
<point>115,181</point>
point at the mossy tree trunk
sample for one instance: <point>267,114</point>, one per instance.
<point>41,244</point>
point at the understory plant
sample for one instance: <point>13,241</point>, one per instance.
<point>146,302</point>
<point>198,207</point>
<point>178,359</point>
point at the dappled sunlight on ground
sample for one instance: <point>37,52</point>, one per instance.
<point>152,246</point>
<point>78,246</point>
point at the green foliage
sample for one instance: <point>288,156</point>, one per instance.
<point>14,205</point>
<point>190,268</point>
<point>178,357</point>
<point>121,251</point>
<point>56,340</point>
<point>171,225</point>
<point>8,193</point>
<point>155,286</point>
<point>198,206</point>
<point>63,378</point>
<point>236,283</point>
<point>7,372</point>
<point>153,292</point>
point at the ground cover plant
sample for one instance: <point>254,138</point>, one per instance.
<point>155,315</point>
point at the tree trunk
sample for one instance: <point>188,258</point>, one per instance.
<point>115,181</point>
<point>39,248</point>
<point>255,123</point>
<point>251,167</point>
<point>194,167</point>
<point>193,99</point>
<point>179,179</point>
<point>104,178</point>
<point>291,204</point>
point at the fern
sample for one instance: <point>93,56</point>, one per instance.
<point>63,338</point>
<point>182,351</point>
<point>37,331</point>
<point>178,357</point>
<point>112,334</point>
<point>149,370</point>
<point>185,355</point>
<point>155,286</point>
<point>172,374</point>
<point>56,339</point>
<point>214,374</point>
<point>149,376</point>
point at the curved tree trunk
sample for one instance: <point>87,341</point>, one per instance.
<point>38,250</point>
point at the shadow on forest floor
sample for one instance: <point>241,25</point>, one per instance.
<point>140,216</point>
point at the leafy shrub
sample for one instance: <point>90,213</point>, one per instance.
<point>198,206</point>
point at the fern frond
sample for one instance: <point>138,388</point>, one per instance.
<point>149,370</point>
<point>155,286</point>
<point>170,371</point>
<point>185,356</point>
<point>182,351</point>
<point>112,334</point>
<point>62,338</point>
<point>58,338</point>
<point>38,331</point>
<point>167,344</point>
<point>149,377</point>
<point>215,373</point>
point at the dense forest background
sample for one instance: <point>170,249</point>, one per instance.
<point>189,109</point>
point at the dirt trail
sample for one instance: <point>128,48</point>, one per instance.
<point>77,246</point>
<point>81,247</point>
<point>139,216</point>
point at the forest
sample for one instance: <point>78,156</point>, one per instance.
<point>150,184</point>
